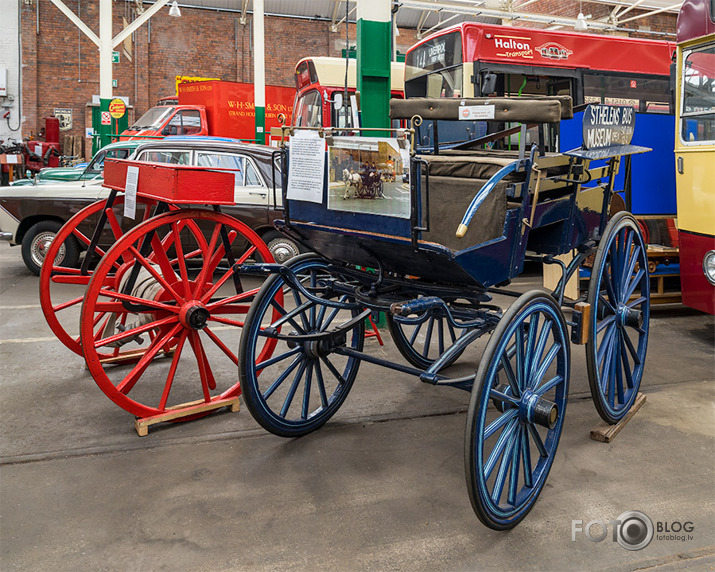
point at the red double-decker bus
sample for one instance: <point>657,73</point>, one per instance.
<point>474,60</point>
<point>320,80</point>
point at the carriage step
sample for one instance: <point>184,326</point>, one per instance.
<point>605,432</point>
<point>178,412</point>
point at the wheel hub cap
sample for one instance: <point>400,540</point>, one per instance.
<point>194,315</point>
<point>629,316</point>
<point>535,409</point>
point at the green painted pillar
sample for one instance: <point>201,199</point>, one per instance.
<point>374,37</point>
<point>259,70</point>
<point>105,131</point>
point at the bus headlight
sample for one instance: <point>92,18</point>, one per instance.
<point>709,266</point>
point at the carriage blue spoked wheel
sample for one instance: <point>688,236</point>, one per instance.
<point>619,294</point>
<point>423,338</point>
<point>516,411</point>
<point>302,384</point>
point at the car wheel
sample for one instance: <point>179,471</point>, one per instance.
<point>282,248</point>
<point>38,239</point>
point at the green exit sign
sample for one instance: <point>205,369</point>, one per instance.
<point>114,83</point>
<point>115,57</point>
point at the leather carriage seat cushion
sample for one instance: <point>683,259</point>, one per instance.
<point>449,198</point>
<point>523,110</point>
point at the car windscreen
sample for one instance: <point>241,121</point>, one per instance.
<point>153,118</point>
<point>97,164</point>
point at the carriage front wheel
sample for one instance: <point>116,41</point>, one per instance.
<point>516,411</point>
<point>619,295</point>
<point>304,382</point>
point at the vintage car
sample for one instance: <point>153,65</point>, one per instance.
<point>93,170</point>
<point>31,216</point>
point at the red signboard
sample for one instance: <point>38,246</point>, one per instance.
<point>230,106</point>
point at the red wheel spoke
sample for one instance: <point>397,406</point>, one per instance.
<point>213,306</point>
<point>135,331</point>
<point>100,329</point>
<point>116,230</point>
<point>220,282</point>
<point>215,260</point>
<point>62,270</point>
<point>135,300</point>
<point>215,339</point>
<point>246,254</point>
<point>130,380</point>
<point>160,257</point>
<point>183,271</point>
<point>207,261</point>
<point>158,277</point>
<point>83,280</point>
<point>84,238</point>
<point>207,379</point>
<point>188,255</point>
<point>226,321</point>
<point>64,305</point>
<point>172,370</point>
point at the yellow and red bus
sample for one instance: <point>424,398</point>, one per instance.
<point>695,152</point>
<point>319,81</point>
<point>478,60</point>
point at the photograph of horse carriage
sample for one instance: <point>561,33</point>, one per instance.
<point>363,168</point>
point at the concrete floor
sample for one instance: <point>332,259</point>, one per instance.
<point>381,486</point>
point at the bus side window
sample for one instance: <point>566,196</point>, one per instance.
<point>645,94</point>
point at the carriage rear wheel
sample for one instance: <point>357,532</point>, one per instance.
<point>423,338</point>
<point>303,383</point>
<point>163,290</point>
<point>619,295</point>
<point>516,411</point>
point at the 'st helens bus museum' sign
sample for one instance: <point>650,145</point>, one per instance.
<point>606,125</point>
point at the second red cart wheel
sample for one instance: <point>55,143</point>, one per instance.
<point>62,287</point>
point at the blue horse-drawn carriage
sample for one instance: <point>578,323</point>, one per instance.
<point>474,217</point>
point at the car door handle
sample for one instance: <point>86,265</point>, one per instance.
<point>262,194</point>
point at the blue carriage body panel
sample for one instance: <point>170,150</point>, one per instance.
<point>653,173</point>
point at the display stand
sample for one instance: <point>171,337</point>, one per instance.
<point>606,432</point>
<point>183,410</point>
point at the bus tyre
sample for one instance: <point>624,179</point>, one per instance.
<point>37,241</point>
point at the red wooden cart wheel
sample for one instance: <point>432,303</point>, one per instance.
<point>62,288</point>
<point>187,311</point>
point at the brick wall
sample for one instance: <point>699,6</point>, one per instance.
<point>62,67</point>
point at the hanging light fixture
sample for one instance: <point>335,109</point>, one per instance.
<point>174,10</point>
<point>580,26</point>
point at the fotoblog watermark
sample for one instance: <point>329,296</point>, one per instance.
<point>633,530</point>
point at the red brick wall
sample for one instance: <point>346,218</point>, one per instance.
<point>62,64</point>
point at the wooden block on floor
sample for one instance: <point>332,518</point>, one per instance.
<point>184,410</point>
<point>605,432</point>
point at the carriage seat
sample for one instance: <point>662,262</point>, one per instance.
<point>455,176</point>
<point>453,183</point>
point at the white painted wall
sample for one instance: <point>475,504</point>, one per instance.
<point>9,35</point>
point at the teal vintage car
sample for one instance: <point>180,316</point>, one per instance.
<point>118,150</point>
